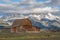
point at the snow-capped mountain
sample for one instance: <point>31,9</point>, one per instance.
<point>51,17</point>
<point>37,16</point>
<point>40,20</point>
<point>48,16</point>
<point>46,21</point>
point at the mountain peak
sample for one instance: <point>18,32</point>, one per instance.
<point>51,16</point>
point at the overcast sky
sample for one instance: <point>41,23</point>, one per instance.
<point>28,6</point>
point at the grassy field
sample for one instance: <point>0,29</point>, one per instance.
<point>26,36</point>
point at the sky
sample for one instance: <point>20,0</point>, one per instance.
<point>30,6</point>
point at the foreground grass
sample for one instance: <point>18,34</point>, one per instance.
<point>9,36</point>
<point>23,37</point>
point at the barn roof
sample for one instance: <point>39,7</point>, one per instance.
<point>19,22</point>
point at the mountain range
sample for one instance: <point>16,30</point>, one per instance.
<point>44,21</point>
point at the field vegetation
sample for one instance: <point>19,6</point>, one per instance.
<point>18,36</point>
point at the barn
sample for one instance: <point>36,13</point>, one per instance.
<point>23,25</point>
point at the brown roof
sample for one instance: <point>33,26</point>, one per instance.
<point>20,22</point>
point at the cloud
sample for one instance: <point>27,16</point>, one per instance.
<point>55,2</point>
<point>34,6</point>
<point>43,10</point>
<point>8,8</point>
<point>28,6</point>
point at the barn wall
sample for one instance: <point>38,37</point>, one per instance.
<point>13,29</point>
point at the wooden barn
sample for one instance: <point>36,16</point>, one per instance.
<point>23,25</point>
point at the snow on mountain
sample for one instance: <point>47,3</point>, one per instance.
<point>51,17</point>
<point>20,17</point>
<point>35,17</point>
<point>39,20</point>
<point>49,21</point>
<point>48,16</point>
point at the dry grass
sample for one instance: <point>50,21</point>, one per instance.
<point>15,36</point>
